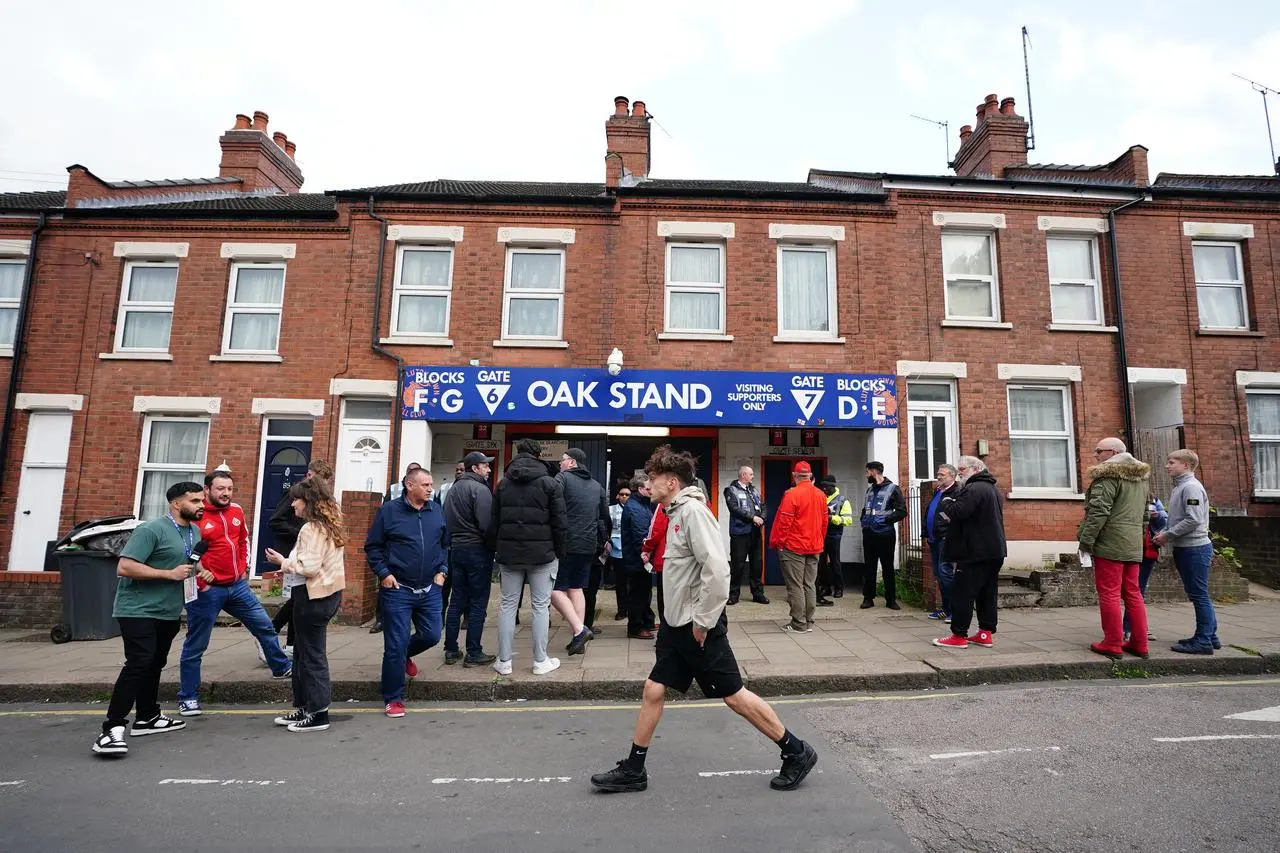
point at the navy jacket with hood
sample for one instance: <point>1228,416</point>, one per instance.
<point>411,544</point>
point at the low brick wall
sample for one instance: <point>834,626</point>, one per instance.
<point>359,598</point>
<point>1257,544</point>
<point>30,599</point>
<point>1070,585</point>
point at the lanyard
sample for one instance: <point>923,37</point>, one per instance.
<point>191,542</point>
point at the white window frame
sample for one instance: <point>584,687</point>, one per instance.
<point>1069,435</point>
<point>253,308</point>
<point>400,289</point>
<point>994,278</point>
<point>1260,438</point>
<point>508,293</point>
<point>145,467</point>
<point>14,304</point>
<point>1239,284</point>
<point>800,335</point>
<point>1095,283</point>
<point>128,306</point>
<point>720,289</point>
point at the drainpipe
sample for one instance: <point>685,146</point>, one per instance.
<point>1125,395</point>
<point>396,406</point>
<point>19,337</point>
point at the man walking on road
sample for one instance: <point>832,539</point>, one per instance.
<point>153,564</point>
<point>943,568</point>
<point>830,570</point>
<point>883,508</point>
<point>1115,513</point>
<point>406,549</point>
<point>746,526</point>
<point>692,640</point>
<point>586,532</point>
<point>468,515</point>
<point>975,540</point>
<point>1188,533</point>
<point>223,582</point>
<point>799,533</point>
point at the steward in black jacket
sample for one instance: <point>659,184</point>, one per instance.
<point>528,514</point>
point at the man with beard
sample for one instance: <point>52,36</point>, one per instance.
<point>468,515</point>
<point>223,581</point>
<point>148,603</point>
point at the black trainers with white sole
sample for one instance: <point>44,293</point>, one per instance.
<point>111,742</point>
<point>280,676</point>
<point>161,723</point>
<point>317,722</point>
<point>297,715</point>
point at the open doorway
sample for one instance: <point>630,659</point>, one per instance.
<point>628,455</point>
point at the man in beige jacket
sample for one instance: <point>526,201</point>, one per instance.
<point>692,641</point>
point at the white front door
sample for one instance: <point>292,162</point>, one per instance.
<point>931,432</point>
<point>44,473</point>
<point>362,458</point>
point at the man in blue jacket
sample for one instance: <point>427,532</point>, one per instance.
<point>943,569</point>
<point>407,548</point>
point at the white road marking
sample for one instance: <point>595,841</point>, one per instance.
<point>1213,737</point>
<point>946,756</point>
<point>500,780</point>
<point>706,774</point>
<point>16,783</point>
<point>1262,715</point>
<point>221,782</point>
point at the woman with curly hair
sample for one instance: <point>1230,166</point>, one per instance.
<point>317,560</point>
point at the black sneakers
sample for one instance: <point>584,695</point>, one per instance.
<point>622,779</point>
<point>450,658</point>
<point>578,645</point>
<point>111,742</point>
<point>297,715</point>
<point>161,723</point>
<point>482,659</point>
<point>794,768</point>
<point>317,722</point>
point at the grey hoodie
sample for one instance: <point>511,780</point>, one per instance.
<point>1188,513</point>
<point>695,572</point>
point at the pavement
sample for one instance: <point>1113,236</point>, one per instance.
<point>849,650</point>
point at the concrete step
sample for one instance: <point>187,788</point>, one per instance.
<point>1012,594</point>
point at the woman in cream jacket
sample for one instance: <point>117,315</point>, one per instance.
<point>317,560</point>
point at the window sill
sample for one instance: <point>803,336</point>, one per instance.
<point>1047,495</point>
<point>975,324</point>
<point>410,341</point>
<point>692,336</point>
<point>1081,327</point>
<point>250,357</point>
<point>6,352</point>
<point>1266,498</point>
<point>532,344</point>
<point>784,339</point>
<point>135,356</point>
<point>1229,333</point>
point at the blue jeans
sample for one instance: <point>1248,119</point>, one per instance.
<point>946,575</point>
<point>400,607</point>
<point>238,600</point>
<point>1193,567</point>
<point>471,568</point>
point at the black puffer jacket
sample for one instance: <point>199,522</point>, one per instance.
<point>528,514</point>
<point>975,521</point>
<point>586,512</point>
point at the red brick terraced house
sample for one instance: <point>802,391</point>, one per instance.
<point>152,330</point>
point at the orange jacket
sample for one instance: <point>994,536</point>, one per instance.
<point>228,537</point>
<point>800,525</point>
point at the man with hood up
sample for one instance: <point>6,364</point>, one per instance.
<point>1115,513</point>
<point>974,539</point>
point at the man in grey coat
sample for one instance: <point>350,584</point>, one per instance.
<point>1188,533</point>
<point>468,514</point>
<point>587,531</point>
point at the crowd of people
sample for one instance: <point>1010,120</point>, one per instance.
<point>553,528</point>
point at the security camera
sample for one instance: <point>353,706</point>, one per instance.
<point>614,362</point>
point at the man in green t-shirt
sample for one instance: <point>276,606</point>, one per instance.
<point>157,558</point>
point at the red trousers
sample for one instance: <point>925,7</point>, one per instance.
<point>1115,582</point>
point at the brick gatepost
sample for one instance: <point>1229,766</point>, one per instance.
<point>358,599</point>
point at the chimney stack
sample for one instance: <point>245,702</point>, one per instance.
<point>996,141</point>
<point>627,148</point>
<point>259,161</point>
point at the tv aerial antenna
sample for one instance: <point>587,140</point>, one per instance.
<point>946,135</point>
<point>1026,70</point>
<point>1266,112</point>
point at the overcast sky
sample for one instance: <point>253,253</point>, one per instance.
<point>387,92</point>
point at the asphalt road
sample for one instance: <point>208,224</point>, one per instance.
<point>1071,767</point>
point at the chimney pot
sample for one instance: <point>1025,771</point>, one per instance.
<point>991,105</point>
<point>243,122</point>
<point>965,132</point>
<point>290,148</point>
<point>1006,107</point>
<point>260,120</point>
<point>620,105</point>
<point>280,139</point>
<point>637,110</point>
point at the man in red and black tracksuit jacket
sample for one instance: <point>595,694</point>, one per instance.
<point>224,585</point>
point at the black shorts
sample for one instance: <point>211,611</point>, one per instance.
<point>680,660</point>
<point>574,572</point>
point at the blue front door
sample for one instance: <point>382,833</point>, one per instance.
<point>777,479</point>
<point>286,464</point>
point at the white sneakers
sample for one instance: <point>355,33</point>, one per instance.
<point>545,666</point>
<point>502,667</point>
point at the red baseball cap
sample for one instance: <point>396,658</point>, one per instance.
<point>802,468</point>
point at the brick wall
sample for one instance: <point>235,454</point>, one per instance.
<point>1257,544</point>
<point>360,596</point>
<point>30,599</point>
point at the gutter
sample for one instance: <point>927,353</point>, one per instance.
<point>397,419</point>
<point>1125,393</point>
<point>19,337</point>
